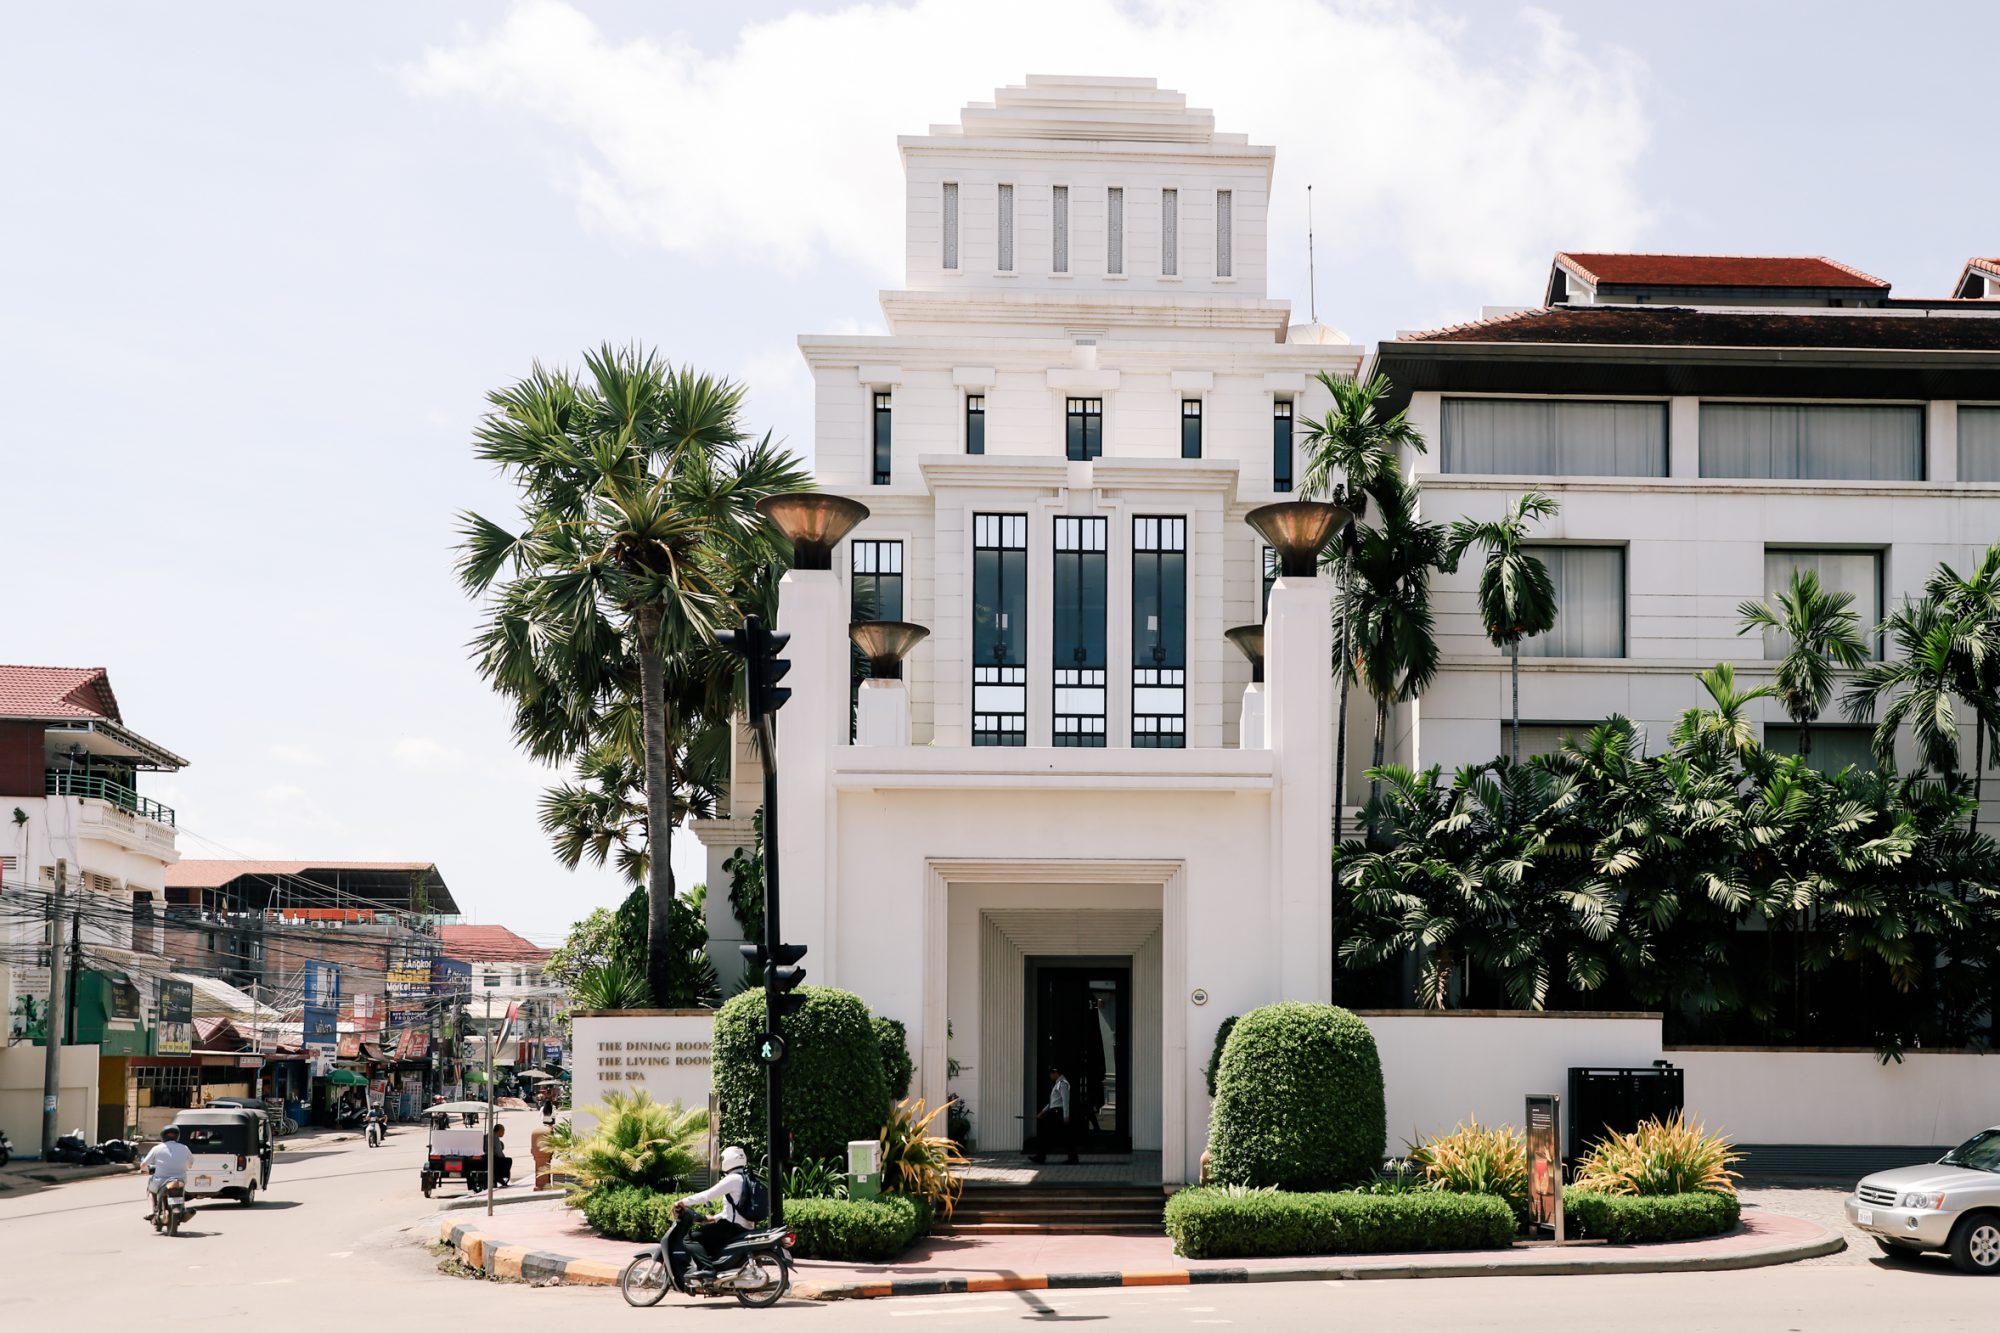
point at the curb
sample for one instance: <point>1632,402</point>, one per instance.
<point>502,1200</point>
<point>497,1259</point>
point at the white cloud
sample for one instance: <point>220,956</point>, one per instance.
<point>781,148</point>
<point>423,752</point>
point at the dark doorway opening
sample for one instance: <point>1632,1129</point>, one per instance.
<point>1080,1021</point>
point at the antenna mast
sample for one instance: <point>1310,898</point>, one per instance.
<point>1312,274</point>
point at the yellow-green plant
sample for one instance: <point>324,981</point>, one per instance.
<point>636,1141</point>
<point>1477,1159</point>
<point>917,1162</point>
<point>1677,1156</point>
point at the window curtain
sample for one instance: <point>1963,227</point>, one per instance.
<point>1979,444</point>
<point>1546,437</point>
<point>1590,603</point>
<point>1858,572</point>
<point>1833,747</point>
<point>1812,441</point>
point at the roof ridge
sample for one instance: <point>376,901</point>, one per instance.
<point>1490,320</point>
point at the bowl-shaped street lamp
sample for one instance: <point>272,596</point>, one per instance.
<point>1297,530</point>
<point>814,522</point>
<point>1249,640</point>
<point>885,643</point>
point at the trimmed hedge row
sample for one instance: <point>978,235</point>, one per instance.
<point>1629,1218</point>
<point>1222,1224</point>
<point>827,1228</point>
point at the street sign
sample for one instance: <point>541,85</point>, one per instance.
<point>770,1048</point>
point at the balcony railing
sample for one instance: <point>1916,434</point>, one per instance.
<point>65,783</point>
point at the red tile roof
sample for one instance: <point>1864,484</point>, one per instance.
<point>489,944</point>
<point>56,693</point>
<point>1678,326</point>
<point>1987,267</point>
<point>1718,270</point>
<point>215,874</point>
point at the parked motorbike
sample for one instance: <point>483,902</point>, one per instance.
<point>170,1208</point>
<point>119,1150</point>
<point>75,1150</point>
<point>756,1270</point>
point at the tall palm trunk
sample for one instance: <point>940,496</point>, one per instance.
<point>1978,765</point>
<point>659,807</point>
<point>1381,739</point>
<point>1514,670</point>
<point>1340,684</point>
<point>1805,737</point>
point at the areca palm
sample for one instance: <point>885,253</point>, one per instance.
<point>1927,645</point>
<point>1821,633</point>
<point>1516,597</point>
<point>1723,730</point>
<point>1394,648</point>
<point>1350,452</point>
<point>638,539</point>
<point>1973,602</point>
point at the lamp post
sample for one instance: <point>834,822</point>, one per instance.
<point>1249,640</point>
<point>1298,530</point>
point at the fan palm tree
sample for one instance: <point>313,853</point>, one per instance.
<point>638,540</point>
<point>1821,633</point>
<point>1349,452</point>
<point>1974,604</point>
<point>1516,597</point>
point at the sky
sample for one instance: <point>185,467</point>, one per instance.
<point>259,265</point>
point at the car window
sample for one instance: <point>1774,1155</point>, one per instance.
<point>1981,1152</point>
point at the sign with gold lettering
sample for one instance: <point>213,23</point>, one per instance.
<point>665,1052</point>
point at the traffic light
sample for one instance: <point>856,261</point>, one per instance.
<point>759,647</point>
<point>781,973</point>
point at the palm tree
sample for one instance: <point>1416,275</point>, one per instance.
<point>1723,731</point>
<point>1516,597</point>
<point>1919,682</point>
<point>1350,452</point>
<point>1974,604</point>
<point>1820,633</point>
<point>638,540</point>
<point>1395,651</point>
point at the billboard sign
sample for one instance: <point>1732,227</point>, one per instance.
<point>1544,1119</point>
<point>173,1033</point>
<point>408,989</point>
<point>322,1006</point>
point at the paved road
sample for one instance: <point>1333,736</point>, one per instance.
<point>338,1242</point>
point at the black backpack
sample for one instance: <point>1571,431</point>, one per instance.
<point>756,1205</point>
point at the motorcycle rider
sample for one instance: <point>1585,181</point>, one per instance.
<point>376,1123</point>
<point>167,1162</point>
<point>706,1243</point>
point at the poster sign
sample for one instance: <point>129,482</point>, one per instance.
<point>413,1045</point>
<point>173,1034</point>
<point>667,1054</point>
<point>1544,1121</point>
<point>322,1005</point>
<point>552,1053</point>
<point>407,986</point>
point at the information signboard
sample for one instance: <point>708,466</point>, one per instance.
<point>322,1005</point>
<point>665,1052</point>
<point>1544,1119</point>
<point>173,1034</point>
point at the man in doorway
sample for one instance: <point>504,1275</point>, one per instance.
<point>1054,1123</point>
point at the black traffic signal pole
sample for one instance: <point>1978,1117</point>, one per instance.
<point>774,1120</point>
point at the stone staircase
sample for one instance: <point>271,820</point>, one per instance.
<point>1059,1210</point>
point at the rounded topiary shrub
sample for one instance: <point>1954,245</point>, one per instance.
<point>1298,1100</point>
<point>896,1064</point>
<point>834,1087</point>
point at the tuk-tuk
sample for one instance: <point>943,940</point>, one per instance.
<point>231,1147</point>
<point>456,1155</point>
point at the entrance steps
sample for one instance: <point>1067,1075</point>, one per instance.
<point>1059,1210</point>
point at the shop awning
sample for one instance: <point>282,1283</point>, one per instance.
<point>347,1078</point>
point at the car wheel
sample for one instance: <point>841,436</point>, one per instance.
<point>1975,1246</point>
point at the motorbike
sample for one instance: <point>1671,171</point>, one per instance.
<point>756,1269</point>
<point>118,1150</point>
<point>6,1148</point>
<point>347,1117</point>
<point>378,1125</point>
<point>170,1208</point>
<point>75,1150</point>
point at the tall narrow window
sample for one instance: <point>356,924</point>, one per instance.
<point>1225,234</point>
<point>881,439</point>
<point>1005,227</point>
<point>1086,428</point>
<point>1059,212</point>
<point>1190,428</point>
<point>1170,232</point>
<point>999,629</point>
<point>1082,578</point>
<point>1281,445</point>
<point>975,423</point>
<point>951,224</point>
<point>1159,633</point>
<point>875,592</point>
<point>1114,230</point>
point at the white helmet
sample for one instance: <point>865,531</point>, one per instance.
<point>733,1158</point>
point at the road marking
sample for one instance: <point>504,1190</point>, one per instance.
<point>340,1254</point>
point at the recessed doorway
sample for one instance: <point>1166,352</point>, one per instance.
<point>1080,1021</point>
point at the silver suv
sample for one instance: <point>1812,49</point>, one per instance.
<point>1951,1204</point>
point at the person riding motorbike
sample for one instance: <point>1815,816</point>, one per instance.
<point>707,1242</point>
<point>167,1162</point>
<point>376,1123</point>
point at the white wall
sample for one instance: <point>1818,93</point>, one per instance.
<point>21,1094</point>
<point>1760,1096</point>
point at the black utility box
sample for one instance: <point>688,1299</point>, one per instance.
<point>1618,1099</point>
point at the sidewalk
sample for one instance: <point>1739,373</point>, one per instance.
<point>547,1243</point>
<point>18,1177</point>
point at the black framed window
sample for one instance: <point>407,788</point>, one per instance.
<point>1086,428</point>
<point>1270,577</point>
<point>999,629</point>
<point>1082,580</point>
<point>876,590</point>
<point>1159,633</point>
<point>975,423</point>
<point>1281,445</point>
<point>1190,428</point>
<point>881,439</point>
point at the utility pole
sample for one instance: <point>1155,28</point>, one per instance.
<point>492,1158</point>
<point>75,968</point>
<point>52,1024</point>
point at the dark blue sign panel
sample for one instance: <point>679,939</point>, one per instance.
<point>409,990</point>
<point>322,1005</point>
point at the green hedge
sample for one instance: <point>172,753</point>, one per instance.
<point>1298,1100</point>
<point>628,1212</point>
<point>1222,1031</point>
<point>1628,1218</point>
<point>834,1087</point>
<point>856,1231</point>
<point>896,1065</point>
<point>1223,1224</point>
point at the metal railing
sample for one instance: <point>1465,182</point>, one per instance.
<point>65,783</point>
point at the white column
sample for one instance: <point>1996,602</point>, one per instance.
<point>882,717</point>
<point>812,723</point>
<point>1298,687</point>
<point>1250,733</point>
